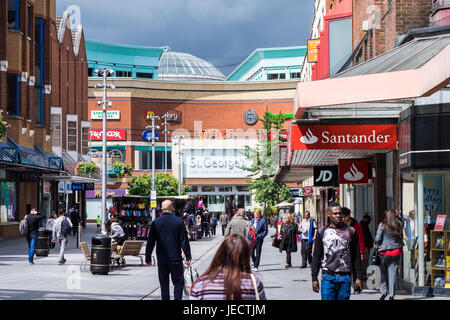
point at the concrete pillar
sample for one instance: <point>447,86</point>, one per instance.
<point>420,225</point>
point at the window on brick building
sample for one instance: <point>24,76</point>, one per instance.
<point>90,72</point>
<point>145,160</point>
<point>72,135</point>
<point>39,71</point>
<point>13,94</point>
<point>295,75</point>
<point>85,139</point>
<point>29,21</point>
<point>14,14</point>
<point>56,125</point>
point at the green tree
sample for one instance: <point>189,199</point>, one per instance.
<point>165,185</point>
<point>265,162</point>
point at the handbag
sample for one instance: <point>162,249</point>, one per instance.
<point>189,277</point>
<point>254,286</point>
<point>276,242</point>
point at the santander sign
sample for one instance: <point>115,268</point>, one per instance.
<point>380,136</point>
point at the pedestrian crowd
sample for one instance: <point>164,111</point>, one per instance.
<point>341,250</point>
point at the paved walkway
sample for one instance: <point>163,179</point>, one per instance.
<point>48,280</point>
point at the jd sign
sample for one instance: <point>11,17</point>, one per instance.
<point>326,176</point>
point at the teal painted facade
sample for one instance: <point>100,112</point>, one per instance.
<point>127,61</point>
<point>270,64</point>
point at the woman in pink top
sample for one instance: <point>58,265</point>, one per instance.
<point>229,275</point>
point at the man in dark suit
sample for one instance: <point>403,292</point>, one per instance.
<point>170,235</point>
<point>260,226</point>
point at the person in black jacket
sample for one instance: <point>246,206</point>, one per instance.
<point>336,251</point>
<point>368,240</point>
<point>169,234</point>
<point>288,237</point>
<point>33,221</point>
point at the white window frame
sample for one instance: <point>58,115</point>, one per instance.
<point>84,124</point>
<point>72,118</point>
<point>57,111</point>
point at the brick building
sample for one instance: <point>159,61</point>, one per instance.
<point>397,75</point>
<point>43,92</point>
<point>213,117</point>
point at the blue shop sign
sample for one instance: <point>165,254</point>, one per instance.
<point>77,186</point>
<point>147,135</point>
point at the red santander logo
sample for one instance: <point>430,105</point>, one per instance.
<point>111,135</point>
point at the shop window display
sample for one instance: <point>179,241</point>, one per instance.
<point>8,201</point>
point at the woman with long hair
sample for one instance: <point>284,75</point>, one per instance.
<point>389,245</point>
<point>288,238</point>
<point>229,275</point>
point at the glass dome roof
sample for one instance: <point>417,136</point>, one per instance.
<point>186,67</point>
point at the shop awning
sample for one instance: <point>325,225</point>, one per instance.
<point>415,69</point>
<point>19,156</point>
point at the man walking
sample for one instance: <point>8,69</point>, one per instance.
<point>368,240</point>
<point>336,251</point>
<point>33,220</point>
<point>169,234</point>
<point>237,224</point>
<point>308,228</point>
<point>61,231</point>
<point>260,226</point>
<point>352,222</point>
<point>75,219</point>
<point>223,220</point>
<point>205,223</point>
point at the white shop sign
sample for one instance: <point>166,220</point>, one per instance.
<point>220,164</point>
<point>110,115</point>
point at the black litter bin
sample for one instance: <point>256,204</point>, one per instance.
<point>42,243</point>
<point>100,254</point>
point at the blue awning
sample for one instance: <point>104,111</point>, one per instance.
<point>14,153</point>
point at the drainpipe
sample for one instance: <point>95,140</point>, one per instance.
<point>420,227</point>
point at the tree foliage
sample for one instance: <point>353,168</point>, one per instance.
<point>265,161</point>
<point>165,185</point>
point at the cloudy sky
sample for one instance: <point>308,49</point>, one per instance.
<point>223,32</point>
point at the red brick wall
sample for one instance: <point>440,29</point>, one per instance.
<point>398,19</point>
<point>214,114</point>
<point>412,14</point>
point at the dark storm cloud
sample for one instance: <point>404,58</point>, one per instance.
<point>223,32</point>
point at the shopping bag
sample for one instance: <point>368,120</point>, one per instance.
<point>376,260</point>
<point>189,278</point>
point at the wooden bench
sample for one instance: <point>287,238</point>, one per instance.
<point>87,254</point>
<point>130,248</point>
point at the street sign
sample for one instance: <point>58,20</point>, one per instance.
<point>77,186</point>
<point>147,135</point>
<point>353,171</point>
<point>326,176</point>
<point>153,199</point>
<point>312,49</point>
<point>308,191</point>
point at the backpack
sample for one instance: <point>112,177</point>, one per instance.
<point>65,227</point>
<point>250,234</point>
<point>23,226</point>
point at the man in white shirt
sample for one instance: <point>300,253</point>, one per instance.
<point>57,234</point>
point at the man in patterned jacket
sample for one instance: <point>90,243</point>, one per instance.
<point>337,252</point>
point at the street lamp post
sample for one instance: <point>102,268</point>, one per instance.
<point>165,141</point>
<point>104,73</point>
<point>180,155</point>
<point>153,127</point>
